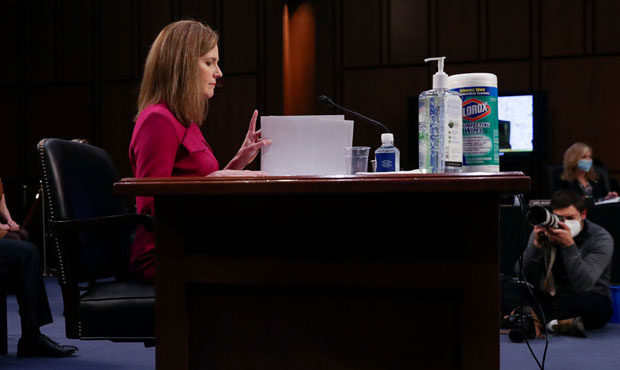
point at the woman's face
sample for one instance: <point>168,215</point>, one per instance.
<point>587,155</point>
<point>209,71</point>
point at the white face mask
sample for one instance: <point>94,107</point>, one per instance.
<point>574,226</point>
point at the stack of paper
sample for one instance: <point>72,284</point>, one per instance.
<point>606,201</point>
<point>305,145</point>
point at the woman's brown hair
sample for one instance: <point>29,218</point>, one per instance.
<point>171,72</point>
<point>571,158</point>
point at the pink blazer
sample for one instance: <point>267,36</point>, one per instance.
<point>162,147</point>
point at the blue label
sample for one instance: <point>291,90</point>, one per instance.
<point>386,162</point>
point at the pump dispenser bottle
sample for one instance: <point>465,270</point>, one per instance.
<point>387,155</point>
<point>440,125</point>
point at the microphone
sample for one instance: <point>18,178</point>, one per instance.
<point>327,101</point>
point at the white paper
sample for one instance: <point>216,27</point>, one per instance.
<point>288,118</point>
<point>305,145</point>
<point>606,201</point>
<point>412,172</point>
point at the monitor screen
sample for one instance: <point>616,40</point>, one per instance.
<point>516,123</point>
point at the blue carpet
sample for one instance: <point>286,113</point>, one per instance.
<point>93,355</point>
<point>600,351</point>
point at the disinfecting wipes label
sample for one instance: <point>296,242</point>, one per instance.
<point>480,130</point>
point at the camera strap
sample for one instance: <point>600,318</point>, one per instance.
<point>550,252</point>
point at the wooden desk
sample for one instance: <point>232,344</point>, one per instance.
<point>357,272</point>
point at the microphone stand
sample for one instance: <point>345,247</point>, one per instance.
<point>327,101</point>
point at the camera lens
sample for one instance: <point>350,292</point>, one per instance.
<point>540,216</point>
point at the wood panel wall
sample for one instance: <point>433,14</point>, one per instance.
<point>569,49</point>
<point>71,68</point>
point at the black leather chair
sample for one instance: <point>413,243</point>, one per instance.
<point>92,234</point>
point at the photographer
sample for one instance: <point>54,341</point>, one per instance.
<point>569,266</point>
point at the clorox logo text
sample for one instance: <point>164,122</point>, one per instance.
<point>474,109</point>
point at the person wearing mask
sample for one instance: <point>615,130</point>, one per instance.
<point>580,175</point>
<point>180,75</point>
<point>569,268</point>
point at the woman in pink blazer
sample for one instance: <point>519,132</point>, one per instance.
<point>180,76</point>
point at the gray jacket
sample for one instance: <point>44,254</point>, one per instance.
<point>583,267</point>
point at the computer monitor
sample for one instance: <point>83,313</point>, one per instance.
<point>522,124</point>
<point>516,123</point>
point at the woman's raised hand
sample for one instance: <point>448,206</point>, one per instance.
<point>250,147</point>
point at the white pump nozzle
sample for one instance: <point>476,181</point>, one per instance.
<point>440,79</point>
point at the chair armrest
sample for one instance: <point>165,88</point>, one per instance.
<point>87,224</point>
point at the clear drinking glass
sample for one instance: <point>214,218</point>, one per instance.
<point>356,159</point>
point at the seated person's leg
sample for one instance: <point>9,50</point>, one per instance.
<point>22,261</point>
<point>13,235</point>
<point>593,308</point>
<point>24,269</point>
<point>573,315</point>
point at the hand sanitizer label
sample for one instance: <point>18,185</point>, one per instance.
<point>453,131</point>
<point>424,135</point>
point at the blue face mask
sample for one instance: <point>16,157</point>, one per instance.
<point>584,165</point>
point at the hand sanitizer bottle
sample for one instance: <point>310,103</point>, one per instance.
<point>387,155</point>
<point>440,126</point>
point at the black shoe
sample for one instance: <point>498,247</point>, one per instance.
<point>43,346</point>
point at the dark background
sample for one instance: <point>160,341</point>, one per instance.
<point>71,69</point>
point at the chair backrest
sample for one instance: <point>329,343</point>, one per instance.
<point>554,180</point>
<point>603,176</point>
<point>77,184</point>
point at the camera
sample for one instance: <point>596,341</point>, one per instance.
<point>540,216</point>
<point>520,325</point>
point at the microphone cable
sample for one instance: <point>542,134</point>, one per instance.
<point>327,101</point>
<point>523,281</point>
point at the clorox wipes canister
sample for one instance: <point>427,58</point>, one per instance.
<point>480,131</point>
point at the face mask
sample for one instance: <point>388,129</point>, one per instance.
<point>584,165</point>
<point>574,226</point>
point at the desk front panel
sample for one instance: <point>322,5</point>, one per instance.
<point>342,281</point>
